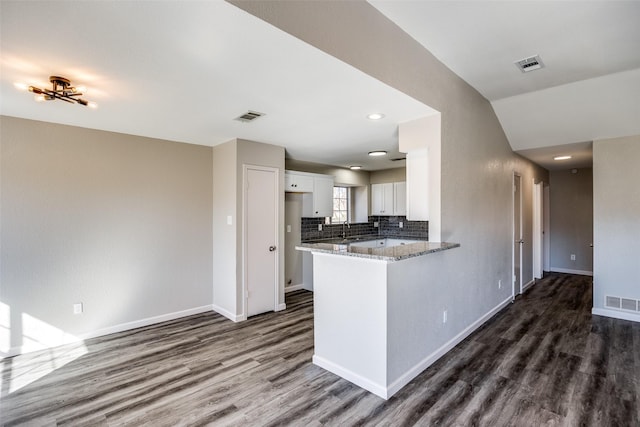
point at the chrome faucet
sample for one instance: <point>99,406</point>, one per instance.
<point>344,233</point>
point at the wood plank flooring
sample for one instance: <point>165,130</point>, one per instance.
<point>545,360</point>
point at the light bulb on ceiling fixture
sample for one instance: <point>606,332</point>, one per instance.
<point>562,158</point>
<point>61,89</point>
<point>355,168</point>
<point>377,153</point>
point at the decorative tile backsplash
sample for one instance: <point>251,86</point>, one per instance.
<point>388,226</point>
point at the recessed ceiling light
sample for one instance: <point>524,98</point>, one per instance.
<point>562,158</point>
<point>355,168</point>
<point>375,116</point>
<point>377,153</point>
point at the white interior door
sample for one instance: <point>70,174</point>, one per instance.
<point>517,235</point>
<point>260,239</point>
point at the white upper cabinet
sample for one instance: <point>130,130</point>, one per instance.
<point>322,197</point>
<point>317,200</point>
<point>297,182</point>
<point>389,198</point>
<point>400,198</point>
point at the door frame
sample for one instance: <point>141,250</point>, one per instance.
<point>245,236</point>
<point>538,229</point>
<point>513,233</point>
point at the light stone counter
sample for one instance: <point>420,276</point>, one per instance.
<point>390,254</point>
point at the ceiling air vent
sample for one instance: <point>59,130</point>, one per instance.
<point>249,116</point>
<point>397,159</point>
<point>529,64</point>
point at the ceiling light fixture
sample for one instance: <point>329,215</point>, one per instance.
<point>562,158</point>
<point>355,168</point>
<point>375,116</point>
<point>62,90</point>
<point>377,153</point>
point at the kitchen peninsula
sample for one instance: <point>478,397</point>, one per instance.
<point>378,312</point>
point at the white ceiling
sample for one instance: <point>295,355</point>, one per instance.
<point>589,88</point>
<point>183,70</point>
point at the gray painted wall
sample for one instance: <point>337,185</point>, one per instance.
<point>477,161</point>
<point>118,222</point>
<point>388,175</point>
<point>616,220</point>
<point>228,161</point>
<point>571,220</point>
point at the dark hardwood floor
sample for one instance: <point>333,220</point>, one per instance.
<point>545,360</point>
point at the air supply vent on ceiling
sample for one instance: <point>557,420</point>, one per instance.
<point>249,116</point>
<point>397,159</point>
<point>529,64</point>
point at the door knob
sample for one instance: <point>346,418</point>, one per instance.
<point>272,248</point>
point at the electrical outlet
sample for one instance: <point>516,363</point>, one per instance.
<point>319,227</point>
<point>375,224</point>
<point>444,316</point>
<point>288,228</point>
<point>401,224</point>
<point>573,257</point>
<point>77,308</point>
<point>229,220</point>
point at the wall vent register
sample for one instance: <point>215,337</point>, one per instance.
<point>620,303</point>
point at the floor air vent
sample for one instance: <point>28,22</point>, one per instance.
<point>619,303</point>
<point>249,116</point>
<point>529,64</point>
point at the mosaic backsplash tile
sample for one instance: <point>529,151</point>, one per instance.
<point>388,226</point>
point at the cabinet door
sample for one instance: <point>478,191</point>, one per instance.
<point>298,183</point>
<point>322,197</point>
<point>382,199</point>
<point>400,198</point>
<point>418,185</point>
<point>377,199</point>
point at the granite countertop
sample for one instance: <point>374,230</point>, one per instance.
<point>392,254</point>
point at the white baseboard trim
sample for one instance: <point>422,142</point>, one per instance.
<point>70,339</point>
<point>433,357</point>
<point>615,314</point>
<point>229,315</point>
<point>375,388</point>
<point>569,271</point>
<point>293,288</point>
<point>281,307</point>
<point>386,392</point>
<point>528,284</point>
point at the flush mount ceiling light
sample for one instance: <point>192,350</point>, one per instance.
<point>377,153</point>
<point>562,158</point>
<point>355,168</point>
<point>375,116</point>
<point>61,89</point>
